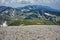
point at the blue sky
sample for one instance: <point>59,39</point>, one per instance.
<point>19,3</point>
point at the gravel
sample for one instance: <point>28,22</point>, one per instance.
<point>30,32</point>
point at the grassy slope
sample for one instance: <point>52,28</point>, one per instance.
<point>30,22</point>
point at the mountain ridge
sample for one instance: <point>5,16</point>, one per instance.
<point>29,12</point>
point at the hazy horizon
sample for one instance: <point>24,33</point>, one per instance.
<point>19,3</point>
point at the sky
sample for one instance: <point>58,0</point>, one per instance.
<point>19,3</point>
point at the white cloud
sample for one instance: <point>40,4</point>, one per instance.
<point>27,1</point>
<point>54,3</point>
<point>2,1</point>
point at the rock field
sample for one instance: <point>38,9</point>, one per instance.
<point>32,32</point>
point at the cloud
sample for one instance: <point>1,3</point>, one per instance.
<point>53,3</point>
<point>25,1</point>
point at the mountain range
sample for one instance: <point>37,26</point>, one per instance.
<point>29,12</point>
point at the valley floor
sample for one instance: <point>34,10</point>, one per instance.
<point>32,32</point>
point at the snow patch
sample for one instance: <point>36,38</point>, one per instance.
<point>48,14</point>
<point>4,24</point>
